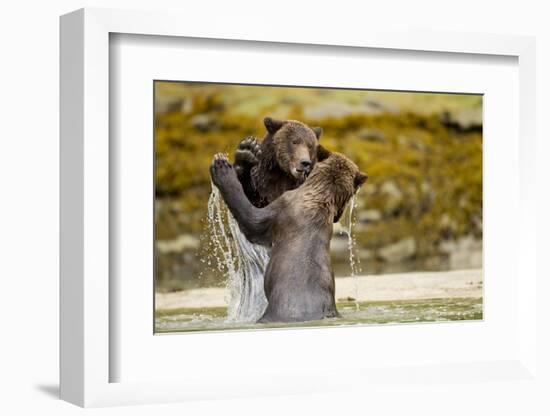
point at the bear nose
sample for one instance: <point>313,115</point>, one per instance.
<point>305,164</point>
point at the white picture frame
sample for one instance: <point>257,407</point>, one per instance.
<point>86,356</point>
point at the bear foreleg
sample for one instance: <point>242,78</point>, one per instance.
<point>253,222</point>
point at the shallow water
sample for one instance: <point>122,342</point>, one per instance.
<point>432,310</point>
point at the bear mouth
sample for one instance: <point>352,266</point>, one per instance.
<point>299,174</point>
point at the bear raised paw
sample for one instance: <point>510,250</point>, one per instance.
<point>247,154</point>
<point>222,172</point>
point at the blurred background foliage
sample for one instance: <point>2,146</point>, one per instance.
<point>421,208</point>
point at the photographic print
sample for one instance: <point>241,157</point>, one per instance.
<point>283,206</point>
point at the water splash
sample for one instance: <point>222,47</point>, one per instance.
<point>242,262</point>
<point>348,224</point>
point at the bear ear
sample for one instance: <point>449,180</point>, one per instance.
<point>318,131</point>
<point>360,179</point>
<point>322,153</point>
<point>272,125</point>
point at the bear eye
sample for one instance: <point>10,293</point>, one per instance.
<point>295,141</point>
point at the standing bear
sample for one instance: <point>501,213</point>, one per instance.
<point>281,162</point>
<point>299,281</point>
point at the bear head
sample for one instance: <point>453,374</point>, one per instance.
<point>292,146</point>
<point>336,179</point>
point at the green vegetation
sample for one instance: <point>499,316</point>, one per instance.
<point>423,154</point>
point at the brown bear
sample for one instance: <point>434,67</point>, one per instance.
<point>280,163</point>
<point>297,226</point>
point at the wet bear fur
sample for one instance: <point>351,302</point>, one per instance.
<point>297,227</point>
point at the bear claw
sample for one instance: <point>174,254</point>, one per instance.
<point>248,152</point>
<point>221,170</point>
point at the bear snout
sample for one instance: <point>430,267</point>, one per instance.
<point>304,166</point>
